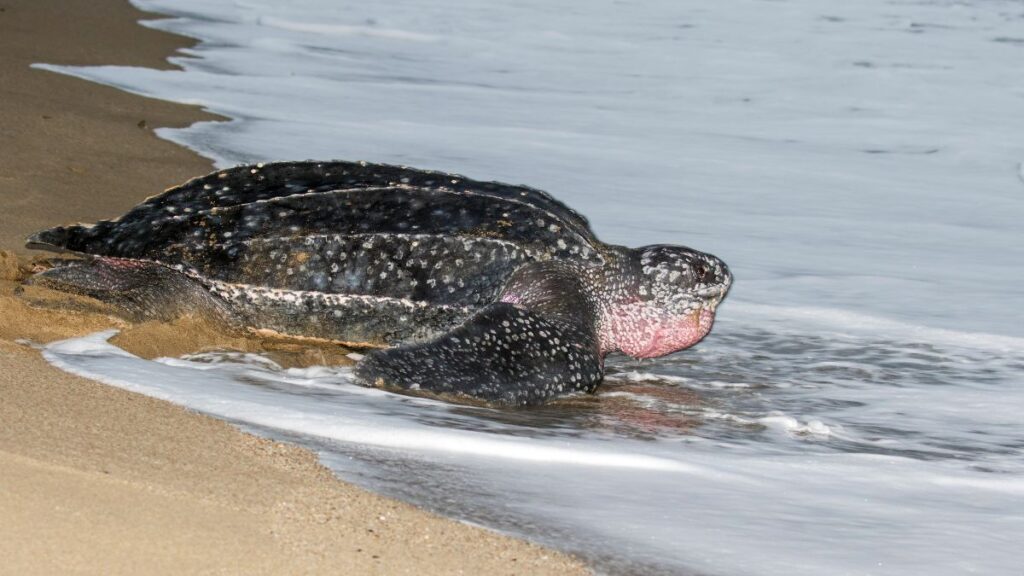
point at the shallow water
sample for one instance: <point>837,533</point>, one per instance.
<point>858,407</point>
<point>762,451</point>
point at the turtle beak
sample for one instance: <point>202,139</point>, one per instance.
<point>714,292</point>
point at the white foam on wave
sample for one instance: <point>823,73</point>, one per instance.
<point>638,376</point>
<point>211,360</point>
<point>779,422</point>
<point>1013,485</point>
<point>305,418</point>
<point>793,318</point>
<point>346,30</point>
<point>792,426</point>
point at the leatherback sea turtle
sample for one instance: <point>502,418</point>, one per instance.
<point>490,291</point>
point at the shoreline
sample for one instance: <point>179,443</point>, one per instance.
<point>100,480</point>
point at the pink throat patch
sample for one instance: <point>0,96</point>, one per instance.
<point>642,333</point>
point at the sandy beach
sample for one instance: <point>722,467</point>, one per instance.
<point>96,480</point>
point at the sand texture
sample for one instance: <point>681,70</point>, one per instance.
<point>96,480</point>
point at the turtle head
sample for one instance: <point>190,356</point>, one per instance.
<point>662,299</point>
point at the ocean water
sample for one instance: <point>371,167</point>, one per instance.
<point>859,406</point>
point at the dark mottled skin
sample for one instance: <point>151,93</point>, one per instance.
<point>439,269</point>
<point>494,292</point>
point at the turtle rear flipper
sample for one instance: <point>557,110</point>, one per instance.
<point>140,290</point>
<point>502,355</point>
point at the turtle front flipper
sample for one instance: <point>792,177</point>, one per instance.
<point>538,341</point>
<point>502,355</point>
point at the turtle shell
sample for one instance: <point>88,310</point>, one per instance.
<point>351,228</point>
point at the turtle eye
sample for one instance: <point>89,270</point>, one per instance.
<point>700,271</point>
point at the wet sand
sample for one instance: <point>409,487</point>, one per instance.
<point>98,480</point>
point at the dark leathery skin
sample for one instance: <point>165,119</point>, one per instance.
<point>454,270</point>
<point>353,320</point>
<point>493,292</point>
<point>393,203</point>
<point>503,355</point>
<point>360,211</point>
<point>246,184</point>
<point>539,342</point>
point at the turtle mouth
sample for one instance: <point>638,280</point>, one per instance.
<point>706,300</point>
<point>712,293</point>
